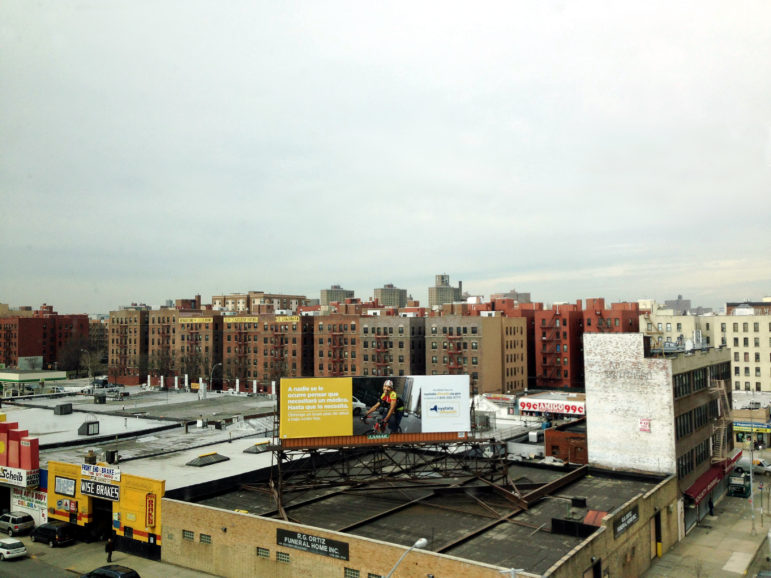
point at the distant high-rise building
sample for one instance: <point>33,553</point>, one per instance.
<point>390,296</point>
<point>335,293</point>
<point>442,292</point>
<point>513,294</point>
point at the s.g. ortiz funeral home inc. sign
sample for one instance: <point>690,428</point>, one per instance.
<point>313,544</point>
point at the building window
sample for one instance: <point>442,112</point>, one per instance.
<point>282,557</point>
<point>188,535</point>
<point>263,552</point>
<point>204,538</point>
<point>350,573</point>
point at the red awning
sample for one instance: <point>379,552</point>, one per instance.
<point>729,463</point>
<point>699,490</point>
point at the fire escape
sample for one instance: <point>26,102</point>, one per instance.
<point>381,355</point>
<point>336,348</point>
<point>551,370</point>
<point>454,354</point>
<point>721,422</point>
<point>278,345</point>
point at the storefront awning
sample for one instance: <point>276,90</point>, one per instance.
<point>701,488</point>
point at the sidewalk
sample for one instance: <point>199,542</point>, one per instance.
<point>81,558</point>
<point>724,544</point>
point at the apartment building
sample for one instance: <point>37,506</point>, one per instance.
<point>128,337</point>
<point>44,340</point>
<point>335,294</point>
<point>491,350</point>
<point>197,347</point>
<point>746,330</point>
<point>393,345</point>
<point>162,342</point>
<point>258,350</point>
<point>659,413</point>
<point>391,296</point>
<point>442,292</point>
<point>558,351</point>
<point>337,345</point>
<point>261,302</point>
<point>559,331</point>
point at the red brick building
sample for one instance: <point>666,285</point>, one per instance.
<point>57,339</point>
<point>393,345</point>
<point>567,442</point>
<point>559,354</point>
<point>128,356</point>
<point>265,348</point>
<point>337,346</point>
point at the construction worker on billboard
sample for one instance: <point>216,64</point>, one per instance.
<point>390,403</point>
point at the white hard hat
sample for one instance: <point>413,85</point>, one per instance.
<point>388,382</point>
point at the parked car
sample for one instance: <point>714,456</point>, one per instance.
<point>113,571</point>
<point>55,533</point>
<point>358,406</point>
<point>760,466</point>
<point>11,548</point>
<point>14,523</point>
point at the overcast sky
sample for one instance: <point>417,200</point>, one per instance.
<point>155,150</point>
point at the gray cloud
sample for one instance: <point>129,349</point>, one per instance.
<point>157,151</point>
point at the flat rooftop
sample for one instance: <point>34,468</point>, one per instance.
<point>460,516</point>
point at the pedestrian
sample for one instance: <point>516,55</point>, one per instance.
<point>109,547</point>
<point>711,507</point>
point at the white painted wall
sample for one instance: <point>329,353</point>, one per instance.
<point>623,388</point>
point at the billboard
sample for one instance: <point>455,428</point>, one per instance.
<point>334,406</point>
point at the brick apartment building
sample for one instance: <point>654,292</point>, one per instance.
<point>492,350</point>
<point>198,350</point>
<point>393,345</point>
<point>264,348</point>
<point>337,349</point>
<point>391,296</point>
<point>746,329</point>
<point>257,302</point>
<point>559,353</point>
<point>128,351</point>
<point>55,339</point>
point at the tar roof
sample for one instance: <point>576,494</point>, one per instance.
<point>460,516</point>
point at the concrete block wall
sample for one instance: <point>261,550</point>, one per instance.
<point>235,538</point>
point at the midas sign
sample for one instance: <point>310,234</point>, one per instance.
<point>316,407</point>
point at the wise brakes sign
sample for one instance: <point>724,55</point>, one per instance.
<point>100,490</point>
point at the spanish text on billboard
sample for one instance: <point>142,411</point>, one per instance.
<point>347,406</point>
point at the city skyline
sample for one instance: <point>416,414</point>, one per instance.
<point>568,151</point>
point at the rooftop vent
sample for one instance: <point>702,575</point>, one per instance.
<point>207,460</point>
<point>63,409</point>
<point>258,448</point>
<point>89,428</point>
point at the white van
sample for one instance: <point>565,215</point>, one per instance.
<point>761,466</point>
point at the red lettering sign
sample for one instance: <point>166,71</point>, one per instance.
<point>150,510</point>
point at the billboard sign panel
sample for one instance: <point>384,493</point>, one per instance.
<point>334,406</point>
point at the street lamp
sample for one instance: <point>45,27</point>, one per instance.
<point>421,543</point>
<point>211,376</point>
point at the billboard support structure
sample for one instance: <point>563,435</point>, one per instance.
<point>409,462</point>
